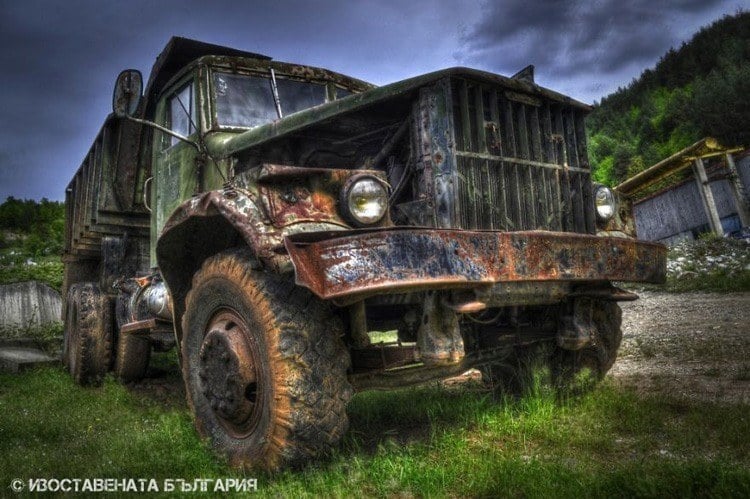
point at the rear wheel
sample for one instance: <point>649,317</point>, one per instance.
<point>578,371</point>
<point>264,365</point>
<point>133,354</point>
<point>87,347</point>
<point>133,351</point>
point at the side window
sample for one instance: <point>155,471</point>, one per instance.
<point>342,92</point>
<point>181,114</point>
<point>298,95</point>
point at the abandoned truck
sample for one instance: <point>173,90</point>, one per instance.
<point>265,217</point>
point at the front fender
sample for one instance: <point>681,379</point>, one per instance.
<point>204,226</point>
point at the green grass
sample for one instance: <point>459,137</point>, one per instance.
<point>428,441</point>
<point>44,333</point>
<point>714,282</point>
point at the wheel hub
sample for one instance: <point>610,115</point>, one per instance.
<point>227,369</point>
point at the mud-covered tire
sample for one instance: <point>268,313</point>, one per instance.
<point>131,361</point>
<point>257,334</point>
<point>70,329</point>
<point>88,335</point>
<point>578,371</point>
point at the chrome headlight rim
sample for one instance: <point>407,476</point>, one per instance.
<point>605,203</point>
<point>350,213</point>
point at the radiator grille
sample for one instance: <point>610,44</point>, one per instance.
<point>521,162</point>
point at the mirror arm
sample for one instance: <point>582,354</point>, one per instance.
<point>163,129</point>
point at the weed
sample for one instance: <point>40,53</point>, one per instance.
<point>383,336</point>
<point>711,372</point>
<point>743,373</point>
<point>647,349</point>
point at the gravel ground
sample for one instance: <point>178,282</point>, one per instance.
<point>690,345</point>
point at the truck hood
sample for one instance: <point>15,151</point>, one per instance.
<point>224,145</point>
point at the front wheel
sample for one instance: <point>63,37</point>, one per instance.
<point>578,371</point>
<point>571,371</point>
<point>264,365</point>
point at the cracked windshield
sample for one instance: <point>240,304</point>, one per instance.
<point>247,101</point>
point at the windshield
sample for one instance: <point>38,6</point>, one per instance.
<point>247,101</point>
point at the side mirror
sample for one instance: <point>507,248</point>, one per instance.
<point>127,93</point>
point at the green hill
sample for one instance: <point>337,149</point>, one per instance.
<point>700,89</point>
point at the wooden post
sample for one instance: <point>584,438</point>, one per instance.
<point>708,197</point>
<point>740,196</point>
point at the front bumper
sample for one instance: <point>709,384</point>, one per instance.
<point>357,264</point>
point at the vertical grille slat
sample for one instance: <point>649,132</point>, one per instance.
<point>501,215</point>
<point>554,177</point>
<point>476,191</point>
<point>562,155</point>
<point>521,161</point>
<point>479,120</point>
<point>525,178</point>
<point>484,214</point>
<point>463,97</point>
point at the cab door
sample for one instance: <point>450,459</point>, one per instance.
<point>176,162</point>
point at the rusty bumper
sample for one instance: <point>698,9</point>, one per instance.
<point>343,265</point>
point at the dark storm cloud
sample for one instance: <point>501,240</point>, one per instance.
<point>565,37</point>
<point>60,59</point>
<point>53,55</point>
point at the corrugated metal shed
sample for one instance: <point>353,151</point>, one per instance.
<point>678,212</point>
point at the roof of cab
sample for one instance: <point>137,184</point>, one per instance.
<point>179,52</point>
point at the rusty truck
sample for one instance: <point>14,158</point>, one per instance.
<point>266,218</point>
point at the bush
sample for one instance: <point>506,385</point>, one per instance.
<point>48,270</point>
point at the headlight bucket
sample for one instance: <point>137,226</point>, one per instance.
<point>364,200</point>
<point>604,201</point>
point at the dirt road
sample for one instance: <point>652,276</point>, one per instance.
<point>692,345</point>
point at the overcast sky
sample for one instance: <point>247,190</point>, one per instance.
<point>61,58</point>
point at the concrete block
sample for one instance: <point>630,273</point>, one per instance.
<point>17,359</point>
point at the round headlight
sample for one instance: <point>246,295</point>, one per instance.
<point>604,200</point>
<point>365,200</point>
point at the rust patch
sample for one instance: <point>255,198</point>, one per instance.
<point>366,263</point>
<point>292,194</point>
<point>241,210</point>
